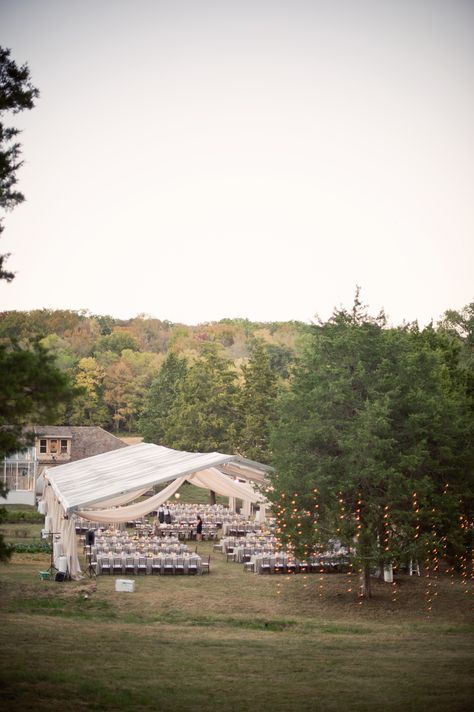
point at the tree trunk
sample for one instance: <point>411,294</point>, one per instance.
<point>212,497</point>
<point>365,582</point>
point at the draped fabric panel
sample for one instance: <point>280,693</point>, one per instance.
<point>207,479</point>
<point>56,523</point>
<point>133,511</point>
<point>69,542</point>
<point>122,499</point>
<point>214,480</point>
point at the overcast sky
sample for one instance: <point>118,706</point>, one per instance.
<point>195,160</point>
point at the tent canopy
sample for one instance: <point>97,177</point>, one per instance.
<point>106,479</point>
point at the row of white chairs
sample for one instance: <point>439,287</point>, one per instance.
<point>192,565</point>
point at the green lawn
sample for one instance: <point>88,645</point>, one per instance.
<point>231,640</point>
<point>189,494</point>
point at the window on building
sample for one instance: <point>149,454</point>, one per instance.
<point>43,446</point>
<point>53,446</point>
<point>63,447</point>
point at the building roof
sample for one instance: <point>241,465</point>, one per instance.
<point>52,431</point>
<point>86,440</point>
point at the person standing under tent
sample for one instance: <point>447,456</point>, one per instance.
<point>161,514</point>
<point>199,528</point>
<point>167,515</point>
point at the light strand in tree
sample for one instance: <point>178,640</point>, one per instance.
<point>416,535</point>
<point>358,520</point>
<point>350,567</point>
<point>386,529</point>
<point>315,536</point>
<point>342,519</point>
<point>444,547</point>
<point>435,557</point>
<point>472,570</point>
<point>321,578</point>
<point>394,591</point>
<point>281,523</point>
<point>280,530</point>
<point>464,526</point>
<point>416,509</point>
<point>464,572</point>
<point>428,581</point>
<point>290,546</point>
<point>428,595</point>
<point>342,512</point>
<point>386,521</point>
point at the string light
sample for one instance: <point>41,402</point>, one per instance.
<point>361,587</point>
<point>358,532</point>
<point>358,517</point>
<point>416,509</point>
<point>386,529</point>
<point>429,599</point>
<point>342,512</point>
<point>435,552</point>
<point>464,572</point>
<point>349,574</point>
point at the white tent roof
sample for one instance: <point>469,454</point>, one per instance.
<point>85,483</point>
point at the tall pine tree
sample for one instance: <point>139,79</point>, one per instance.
<point>373,415</point>
<point>161,397</point>
<point>258,396</point>
<point>204,416</point>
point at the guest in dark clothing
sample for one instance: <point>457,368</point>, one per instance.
<point>199,528</point>
<point>167,516</point>
<point>161,514</point>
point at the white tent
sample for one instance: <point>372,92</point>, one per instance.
<point>97,488</point>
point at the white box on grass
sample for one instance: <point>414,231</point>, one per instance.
<point>125,585</point>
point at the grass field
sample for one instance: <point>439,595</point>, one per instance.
<point>232,641</point>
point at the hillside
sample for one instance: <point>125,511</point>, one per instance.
<point>115,361</point>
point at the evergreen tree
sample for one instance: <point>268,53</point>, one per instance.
<point>31,391</point>
<point>162,394</point>
<point>373,415</point>
<point>204,416</point>
<point>258,396</point>
<point>16,94</point>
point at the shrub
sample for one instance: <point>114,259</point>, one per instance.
<point>19,516</point>
<point>43,548</point>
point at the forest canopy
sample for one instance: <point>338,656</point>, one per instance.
<point>115,361</point>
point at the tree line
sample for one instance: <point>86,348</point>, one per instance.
<point>113,363</point>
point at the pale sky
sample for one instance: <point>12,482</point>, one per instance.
<point>195,160</point>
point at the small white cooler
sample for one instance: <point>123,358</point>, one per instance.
<point>125,585</point>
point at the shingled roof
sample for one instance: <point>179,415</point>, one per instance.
<point>86,441</point>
